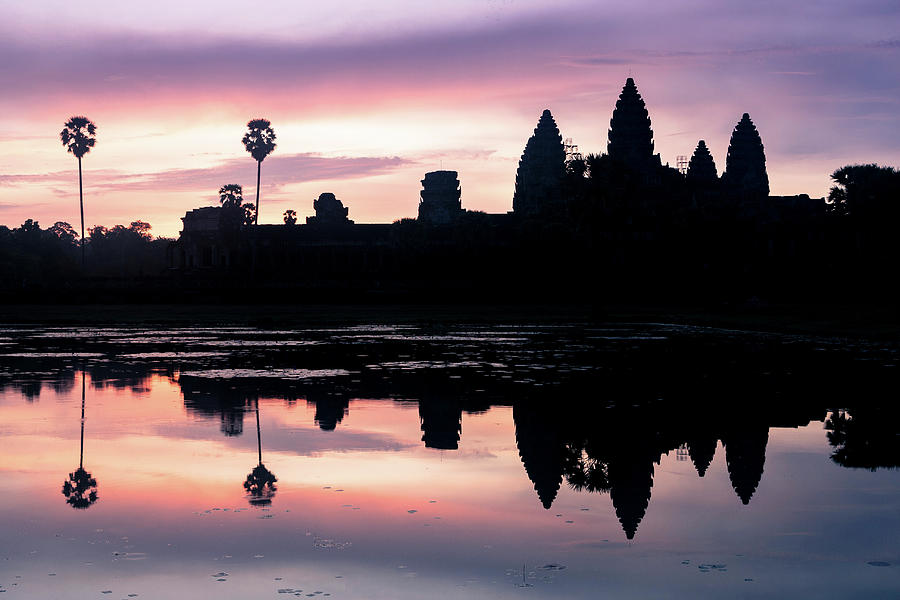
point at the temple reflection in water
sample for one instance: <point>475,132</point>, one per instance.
<point>610,450</point>
<point>599,422</point>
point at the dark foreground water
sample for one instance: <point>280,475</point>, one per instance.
<point>621,461</point>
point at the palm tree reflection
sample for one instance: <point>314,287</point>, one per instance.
<point>80,489</point>
<point>260,483</point>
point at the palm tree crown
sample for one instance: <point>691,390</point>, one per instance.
<point>79,136</point>
<point>259,139</point>
<point>259,142</point>
<point>231,195</point>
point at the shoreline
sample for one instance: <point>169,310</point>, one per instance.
<point>857,321</point>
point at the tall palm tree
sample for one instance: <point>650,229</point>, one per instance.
<point>78,136</point>
<point>80,489</point>
<point>260,483</point>
<point>259,142</point>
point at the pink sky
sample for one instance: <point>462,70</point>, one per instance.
<point>365,101</point>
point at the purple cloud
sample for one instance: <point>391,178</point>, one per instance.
<point>278,171</point>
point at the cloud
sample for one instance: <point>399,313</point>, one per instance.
<point>278,171</point>
<point>20,206</point>
<point>312,442</point>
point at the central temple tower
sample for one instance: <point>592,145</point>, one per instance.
<point>630,136</point>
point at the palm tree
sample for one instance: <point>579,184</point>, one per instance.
<point>80,489</point>
<point>259,142</point>
<point>231,195</point>
<point>78,136</point>
<point>260,483</point>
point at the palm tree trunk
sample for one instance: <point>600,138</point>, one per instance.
<point>81,452</point>
<point>258,435</point>
<point>258,169</point>
<point>81,206</point>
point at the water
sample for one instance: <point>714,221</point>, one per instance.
<point>452,461</point>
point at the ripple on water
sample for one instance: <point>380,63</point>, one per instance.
<point>265,373</point>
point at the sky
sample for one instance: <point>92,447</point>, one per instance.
<point>365,98</point>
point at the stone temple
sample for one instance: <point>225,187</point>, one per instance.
<point>702,168</point>
<point>330,245</point>
<point>745,166</point>
<point>440,202</point>
<point>329,211</point>
<point>542,169</point>
<point>630,135</point>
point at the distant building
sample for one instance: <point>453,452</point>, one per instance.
<point>702,168</point>
<point>619,217</point>
<point>207,239</point>
<point>440,202</point>
<point>630,135</point>
<point>329,211</point>
<point>745,174</point>
<point>542,168</point>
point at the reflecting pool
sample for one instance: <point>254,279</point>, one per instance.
<point>447,461</point>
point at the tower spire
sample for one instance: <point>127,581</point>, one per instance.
<point>702,168</point>
<point>630,135</point>
<point>542,169</point>
<point>745,166</point>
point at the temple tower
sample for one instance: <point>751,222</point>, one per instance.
<point>329,211</point>
<point>541,171</point>
<point>745,457</point>
<point>630,136</point>
<point>441,422</point>
<point>440,198</point>
<point>702,450</point>
<point>745,167</point>
<point>630,478</point>
<point>541,450</point>
<point>702,168</point>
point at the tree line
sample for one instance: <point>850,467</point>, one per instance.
<point>52,257</point>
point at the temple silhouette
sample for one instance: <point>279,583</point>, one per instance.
<point>624,213</point>
<point>618,227</point>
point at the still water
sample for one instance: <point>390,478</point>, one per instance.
<point>447,461</point>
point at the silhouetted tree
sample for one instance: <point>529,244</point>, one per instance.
<point>141,229</point>
<point>259,142</point>
<point>80,489</point>
<point>870,191</point>
<point>98,231</point>
<point>248,214</point>
<point>63,232</point>
<point>585,472</point>
<point>125,251</point>
<point>865,438</point>
<point>290,217</point>
<point>231,195</point>
<point>78,136</point>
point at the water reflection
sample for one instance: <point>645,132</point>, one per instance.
<point>331,407</point>
<point>80,489</point>
<point>657,438</point>
<point>866,437</point>
<point>606,447</point>
<point>260,483</point>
